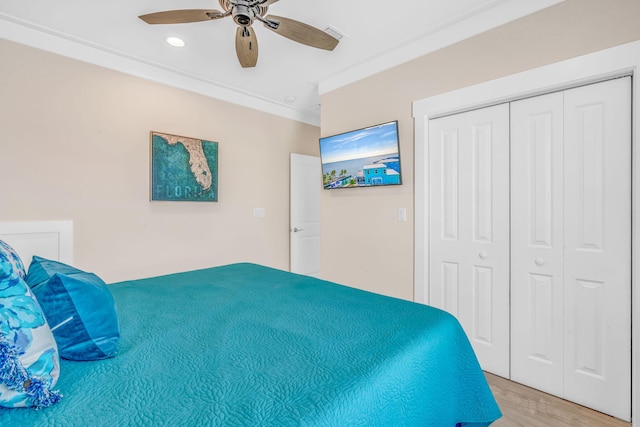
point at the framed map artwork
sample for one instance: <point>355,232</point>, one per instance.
<point>183,169</point>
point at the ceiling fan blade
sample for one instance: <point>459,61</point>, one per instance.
<point>302,33</point>
<point>268,2</point>
<point>182,16</point>
<point>246,47</point>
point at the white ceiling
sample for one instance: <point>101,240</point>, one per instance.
<point>378,35</point>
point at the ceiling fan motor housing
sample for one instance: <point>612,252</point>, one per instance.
<point>244,12</point>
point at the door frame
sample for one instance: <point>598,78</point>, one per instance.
<point>619,61</point>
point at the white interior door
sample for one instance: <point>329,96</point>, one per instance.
<point>469,228</point>
<point>306,187</point>
<point>537,242</point>
<point>571,245</point>
<point>597,241</point>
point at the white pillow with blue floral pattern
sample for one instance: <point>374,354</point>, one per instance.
<point>29,362</point>
<point>14,259</point>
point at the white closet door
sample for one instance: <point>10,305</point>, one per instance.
<point>469,228</point>
<point>537,243</point>
<point>597,258</point>
<point>571,245</point>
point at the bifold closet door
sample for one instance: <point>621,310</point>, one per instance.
<point>571,245</point>
<point>469,228</point>
<point>537,296</point>
<point>597,240</point>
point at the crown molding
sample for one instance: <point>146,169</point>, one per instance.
<point>65,45</point>
<point>466,25</point>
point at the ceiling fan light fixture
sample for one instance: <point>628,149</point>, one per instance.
<point>175,41</point>
<point>243,14</point>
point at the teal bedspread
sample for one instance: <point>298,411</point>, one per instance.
<point>246,345</point>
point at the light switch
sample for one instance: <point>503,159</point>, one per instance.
<point>258,212</point>
<point>402,214</point>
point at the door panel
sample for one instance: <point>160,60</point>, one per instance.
<point>450,188</point>
<point>306,187</point>
<point>482,311</point>
<point>536,242</point>
<point>597,270</point>
<point>482,183</point>
<point>469,228</point>
<point>541,296</point>
<point>449,288</point>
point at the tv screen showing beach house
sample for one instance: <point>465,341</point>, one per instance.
<point>365,157</point>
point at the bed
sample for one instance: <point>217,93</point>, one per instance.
<point>248,345</point>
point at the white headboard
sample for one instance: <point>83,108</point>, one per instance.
<point>48,239</point>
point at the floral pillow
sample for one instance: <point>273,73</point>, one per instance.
<point>29,362</point>
<point>13,259</point>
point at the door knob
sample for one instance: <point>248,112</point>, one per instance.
<point>295,229</point>
<point>539,262</point>
<point>482,255</point>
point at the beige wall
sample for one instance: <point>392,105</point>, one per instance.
<point>75,145</point>
<point>363,243</point>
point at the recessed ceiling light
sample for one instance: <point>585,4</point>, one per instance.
<point>175,41</point>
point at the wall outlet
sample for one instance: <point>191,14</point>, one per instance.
<point>258,212</point>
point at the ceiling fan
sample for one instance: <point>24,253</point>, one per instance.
<point>244,13</point>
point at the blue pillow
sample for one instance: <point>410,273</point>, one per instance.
<point>42,269</point>
<point>79,307</point>
<point>29,363</point>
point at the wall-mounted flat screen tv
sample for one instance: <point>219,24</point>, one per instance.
<point>362,158</point>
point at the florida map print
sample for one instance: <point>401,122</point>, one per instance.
<point>183,169</point>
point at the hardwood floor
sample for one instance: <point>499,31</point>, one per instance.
<point>526,407</point>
